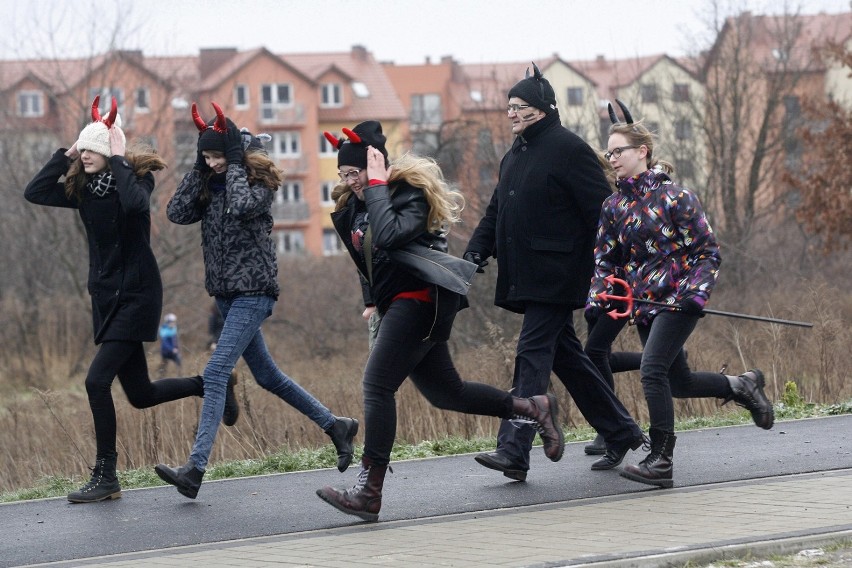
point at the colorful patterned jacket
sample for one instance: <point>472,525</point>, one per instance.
<point>655,235</point>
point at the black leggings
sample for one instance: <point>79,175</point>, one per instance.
<point>602,333</point>
<point>399,352</point>
<point>126,359</point>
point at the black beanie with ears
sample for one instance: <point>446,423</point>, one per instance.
<point>536,91</point>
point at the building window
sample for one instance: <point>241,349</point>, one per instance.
<point>106,94</point>
<point>360,89</point>
<point>325,147</point>
<point>290,192</point>
<point>680,93</point>
<point>685,169</point>
<point>575,96</point>
<point>286,145</point>
<point>331,96</point>
<point>426,110</point>
<point>241,96</point>
<point>648,93</point>
<point>143,100</point>
<point>291,243</point>
<point>331,243</point>
<point>424,143</point>
<point>30,104</point>
<point>273,97</point>
<point>683,129</point>
<point>325,192</point>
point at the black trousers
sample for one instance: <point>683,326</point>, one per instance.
<point>126,359</point>
<point>665,371</point>
<point>548,343</point>
<point>400,351</point>
<point>602,333</point>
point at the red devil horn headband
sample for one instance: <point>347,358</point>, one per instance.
<point>220,125</point>
<point>337,143</point>
<point>96,114</point>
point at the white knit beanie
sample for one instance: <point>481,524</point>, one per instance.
<point>95,137</point>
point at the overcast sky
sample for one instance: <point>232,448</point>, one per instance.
<point>404,31</point>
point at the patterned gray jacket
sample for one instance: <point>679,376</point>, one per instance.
<point>239,254</point>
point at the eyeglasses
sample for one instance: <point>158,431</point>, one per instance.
<point>350,175</point>
<point>515,107</point>
<point>616,152</point>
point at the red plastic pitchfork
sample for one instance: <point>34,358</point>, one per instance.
<point>630,300</point>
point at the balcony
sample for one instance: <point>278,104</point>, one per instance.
<point>273,115</point>
<point>290,212</point>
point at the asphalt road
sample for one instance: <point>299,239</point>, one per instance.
<point>156,518</point>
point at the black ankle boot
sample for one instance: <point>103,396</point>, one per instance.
<point>187,478</point>
<point>342,432</point>
<point>656,468</point>
<point>232,407</point>
<point>365,498</point>
<point>103,484</point>
<point>747,391</point>
<point>614,454</point>
<point>542,412</point>
<point>597,447</point>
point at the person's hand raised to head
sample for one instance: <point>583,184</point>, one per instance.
<point>376,165</point>
<point>116,141</point>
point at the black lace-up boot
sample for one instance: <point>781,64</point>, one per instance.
<point>542,413</point>
<point>656,468</point>
<point>747,391</point>
<point>103,484</point>
<point>615,453</point>
<point>364,499</point>
<point>341,433</point>
<point>187,478</point>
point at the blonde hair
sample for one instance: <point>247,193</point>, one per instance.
<point>445,202</point>
<point>143,159</point>
<point>637,134</point>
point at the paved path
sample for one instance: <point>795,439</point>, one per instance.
<point>630,525</point>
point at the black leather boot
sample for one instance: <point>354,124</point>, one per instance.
<point>614,454</point>
<point>364,500</point>
<point>543,413</point>
<point>597,447</point>
<point>342,432</point>
<point>656,468</point>
<point>499,462</point>
<point>187,478</point>
<point>232,407</point>
<point>102,486</point>
<point>747,391</point>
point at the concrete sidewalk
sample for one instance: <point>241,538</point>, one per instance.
<point>670,527</point>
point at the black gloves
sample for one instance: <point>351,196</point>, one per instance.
<point>234,145</point>
<point>692,306</point>
<point>476,258</point>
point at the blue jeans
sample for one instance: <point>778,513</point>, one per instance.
<point>241,336</point>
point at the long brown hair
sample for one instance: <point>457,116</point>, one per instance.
<point>260,170</point>
<point>143,159</point>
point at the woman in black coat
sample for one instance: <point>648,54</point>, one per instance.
<point>394,225</point>
<point>111,189</point>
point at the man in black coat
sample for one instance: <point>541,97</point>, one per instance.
<point>540,225</point>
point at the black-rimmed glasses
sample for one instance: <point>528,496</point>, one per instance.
<point>616,152</point>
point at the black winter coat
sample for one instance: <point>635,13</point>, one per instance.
<point>124,279</point>
<point>542,218</point>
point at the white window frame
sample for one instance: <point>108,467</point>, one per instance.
<point>331,243</point>
<point>146,95</point>
<point>326,148</point>
<point>106,94</point>
<point>280,96</point>
<point>246,100</point>
<point>30,103</point>
<point>425,111</point>
<point>291,141</point>
<point>331,95</point>
<point>574,96</point>
<point>326,188</point>
<point>290,192</point>
<point>290,243</point>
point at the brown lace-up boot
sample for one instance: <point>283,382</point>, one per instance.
<point>656,468</point>
<point>364,499</point>
<point>542,413</point>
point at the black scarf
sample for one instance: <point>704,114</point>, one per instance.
<point>101,184</point>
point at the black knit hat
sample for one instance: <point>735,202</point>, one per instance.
<point>212,140</point>
<point>353,152</point>
<point>535,90</point>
